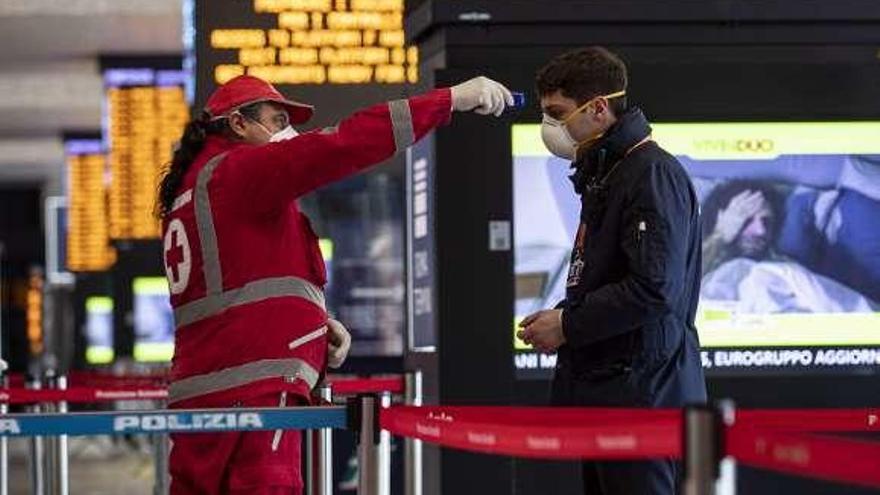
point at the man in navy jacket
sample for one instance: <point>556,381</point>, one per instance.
<point>625,333</point>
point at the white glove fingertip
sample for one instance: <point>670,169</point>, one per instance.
<point>508,97</point>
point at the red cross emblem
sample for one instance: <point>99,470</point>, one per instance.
<point>178,261</point>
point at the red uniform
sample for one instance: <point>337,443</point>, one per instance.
<point>246,278</point>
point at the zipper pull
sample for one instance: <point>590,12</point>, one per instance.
<point>643,227</point>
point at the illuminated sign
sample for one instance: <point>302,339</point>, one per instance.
<point>88,234</point>
<point>146,114</point>
<point>741,140</point>
<point>319,42</point>
<point>34,313</point>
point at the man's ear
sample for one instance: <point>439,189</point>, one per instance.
<point>603,109</point>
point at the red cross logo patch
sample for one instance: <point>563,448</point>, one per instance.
<point>178,259</point>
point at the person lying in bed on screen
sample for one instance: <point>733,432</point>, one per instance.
<point>741,266</point>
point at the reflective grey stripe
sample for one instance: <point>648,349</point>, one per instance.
<point>276,439</point>
<point>289,369</point>
<point>182,200</point>
<point>401,121</point>
<point>257,290</point>
<point>305,339</point>
<point>205,223</point>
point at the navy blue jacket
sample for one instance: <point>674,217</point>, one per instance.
<point>634,279</point>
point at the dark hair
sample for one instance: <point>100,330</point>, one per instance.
<point>583,75</point>
<point>721,196</point>
<point>191,143</point>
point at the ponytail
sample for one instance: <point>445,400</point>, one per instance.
<point>194,135</point>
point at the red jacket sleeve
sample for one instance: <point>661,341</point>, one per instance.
<point>271,175</point>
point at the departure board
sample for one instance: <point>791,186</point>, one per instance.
<point>88,233</point>
<point>145,114</point>
<point>316,42</point>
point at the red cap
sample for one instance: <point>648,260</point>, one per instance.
<point>244,90</point>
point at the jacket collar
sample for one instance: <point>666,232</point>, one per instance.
<point>630,129</point>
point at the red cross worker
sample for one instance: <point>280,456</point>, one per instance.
<point>245,270</point>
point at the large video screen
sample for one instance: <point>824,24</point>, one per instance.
<point>791,244</point>
<point>153,320</point>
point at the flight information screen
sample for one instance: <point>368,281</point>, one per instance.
<point>145,112</point>
<point>309,41</point>
<point>88,235</point>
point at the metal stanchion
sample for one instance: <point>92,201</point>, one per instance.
<point>4,445</point>
<point>161,449</point>
<point>384,447</point>
<point>52,444</point>
<point>412,448</point>
<point>319,453</point>
<point>701,449</point>
<point>50,462</point>
<point>4,408</point>
<point>371,479</point>
<point>37,450</point>
<point>727,477</point>
<point>58,454</point>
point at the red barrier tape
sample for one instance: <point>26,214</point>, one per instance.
<point>834,459</point>
<point>110,388</point>
<point>547,433</point>
<point>101,380</point>
<point>80,395</point>
<point>350,386</point>
<point>341,384</point>
<point>811,420</point>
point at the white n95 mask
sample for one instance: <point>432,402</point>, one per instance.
<point>557,139</point>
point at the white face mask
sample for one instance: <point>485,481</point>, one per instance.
<point>284,134</point>
<point>558,139</point>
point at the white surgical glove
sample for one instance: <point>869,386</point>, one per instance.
<point>338,343</point>
<point>482,95</point>
<point>3,366</point>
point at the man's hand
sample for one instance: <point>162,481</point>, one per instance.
<point>733,218</point>
<point>482,95</point>
<point>338,343</point>
<point>543,330</point>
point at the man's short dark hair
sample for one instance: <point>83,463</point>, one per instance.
<point>721,196</point>
<point>585,74</point>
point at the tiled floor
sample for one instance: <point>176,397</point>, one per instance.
<point>98,466</point>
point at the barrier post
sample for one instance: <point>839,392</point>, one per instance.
<point>51,449</point>
<point>324,455</point>
<point>161,449</point>
<point>412,448</point>
<point>4,444</point>
<point>57,476</point>
<point>371,480</point>
<point>701,449</point>
<point>384,446</point>
<point>37,454</point>
<point>727,476</point>
<point>319,453</point>
<point>4,408</point>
